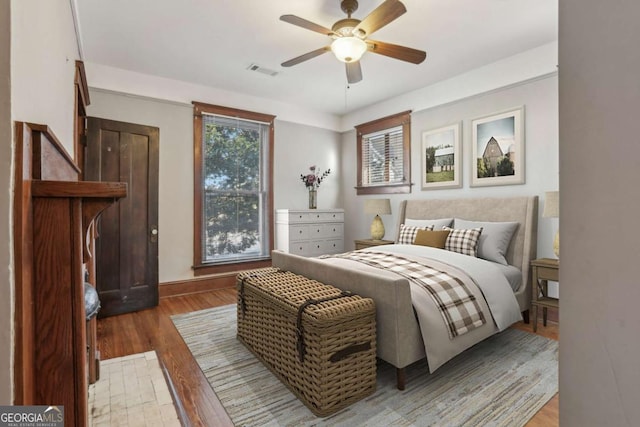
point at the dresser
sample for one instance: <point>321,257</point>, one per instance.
<point>310,232</point>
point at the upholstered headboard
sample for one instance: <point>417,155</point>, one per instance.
<point>523,210</point>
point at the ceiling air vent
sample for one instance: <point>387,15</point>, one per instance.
<point>257,68</point>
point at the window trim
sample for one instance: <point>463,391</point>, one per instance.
<point>400,119</point>
<point>199,267</point>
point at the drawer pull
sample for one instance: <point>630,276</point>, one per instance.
<point>300,231</point>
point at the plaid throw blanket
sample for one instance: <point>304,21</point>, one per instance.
<point>458,306</point>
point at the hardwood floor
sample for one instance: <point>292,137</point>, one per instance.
<point>198,405</point>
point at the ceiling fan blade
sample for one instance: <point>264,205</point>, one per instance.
<point>402,53</point>
<point>381,16</point>
<point>354,72</point>
<point>300,22</point>
<point>306,56</point>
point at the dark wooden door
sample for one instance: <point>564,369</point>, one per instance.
<point>127,243</point>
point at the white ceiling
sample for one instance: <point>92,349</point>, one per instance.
<point>213,42</point>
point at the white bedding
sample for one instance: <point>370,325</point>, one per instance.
<point>484,279</point>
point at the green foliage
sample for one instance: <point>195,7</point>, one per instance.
<point>430,157</point>
<point>232,188</point>
<point>443,176</point>
<point>505,167</point>
<point>485,170</point>
<point>482,171</point>
<point>232,158</point>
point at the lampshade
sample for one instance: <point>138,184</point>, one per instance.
<point>348,49</point>
<point>551,204</point>
<point>377,206</point>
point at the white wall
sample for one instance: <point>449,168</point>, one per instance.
<point>6,196</point>
<point>296,148</point>
<point>44,51</point>
<point>118,80</point>
<point>540,99</point>
<point>600,207</point>
<point>531,64</point>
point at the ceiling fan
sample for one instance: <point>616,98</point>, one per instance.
<point>350,37</point>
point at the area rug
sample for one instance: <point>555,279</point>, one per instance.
<point>502,381</point>
<point>131,392</point>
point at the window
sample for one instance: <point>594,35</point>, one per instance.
<point>233,201</point>
<point>384,161</point>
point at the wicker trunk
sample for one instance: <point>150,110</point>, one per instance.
<point>320,341</point>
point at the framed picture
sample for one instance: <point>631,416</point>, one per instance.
<point>497,143</point>
<point>441,158</point>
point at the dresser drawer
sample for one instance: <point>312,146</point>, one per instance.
<point>324,231</point>
<point>323,247</point>
<point>332,246</point>
<point>326,216</point>
<point>301,248</point>
<point>299,232</point>
<point>294,217</point>
<point>547,273</point>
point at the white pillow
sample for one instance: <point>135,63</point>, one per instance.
<point>436,224</point>
<point>408,234</point>
<point>495,239</point>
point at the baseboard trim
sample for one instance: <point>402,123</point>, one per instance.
<point>197,285</point>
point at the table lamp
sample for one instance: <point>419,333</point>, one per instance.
<point>377,207</point>
<point>552,210</point>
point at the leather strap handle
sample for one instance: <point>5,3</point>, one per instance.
<point>348,351</point>
<point>300,330</point>
<point>243,304</point>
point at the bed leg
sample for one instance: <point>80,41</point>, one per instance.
<point>525,316</point>
<point>401,378</point>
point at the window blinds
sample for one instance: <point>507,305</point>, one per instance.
<point>382,157</point>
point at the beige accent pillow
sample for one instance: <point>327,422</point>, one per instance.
<point>435,239</point>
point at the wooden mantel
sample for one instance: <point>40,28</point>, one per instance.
<point>53,214</point>
<point>96,197</point>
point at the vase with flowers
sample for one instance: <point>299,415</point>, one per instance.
<point>312,181</point>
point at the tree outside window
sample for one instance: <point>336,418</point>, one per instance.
<point>233,197</point>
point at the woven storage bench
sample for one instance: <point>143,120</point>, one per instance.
<point>326,355</point>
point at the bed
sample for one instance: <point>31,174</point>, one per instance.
<point>409,326</point>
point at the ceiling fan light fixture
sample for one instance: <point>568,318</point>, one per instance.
<point>348,49</point>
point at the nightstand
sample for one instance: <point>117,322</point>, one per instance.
<point>542,271</point>
<point>367,243</point>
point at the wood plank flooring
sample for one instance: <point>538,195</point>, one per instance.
<point>152,329</point>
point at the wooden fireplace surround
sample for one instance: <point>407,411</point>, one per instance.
<point>53,217</point>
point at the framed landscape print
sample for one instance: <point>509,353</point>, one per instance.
<point>441,158</point>
<point>497,143</point>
